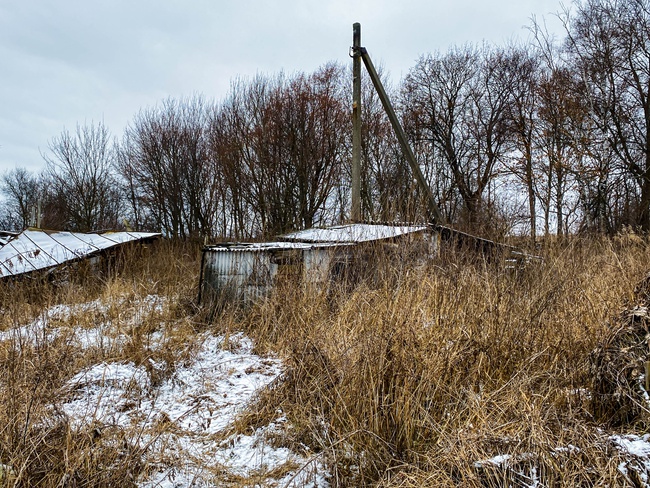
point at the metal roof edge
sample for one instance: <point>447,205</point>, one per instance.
<point>272,246</point>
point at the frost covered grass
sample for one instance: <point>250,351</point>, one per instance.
<point>454,373</point>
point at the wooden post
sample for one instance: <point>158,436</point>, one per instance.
<point>355,214</point>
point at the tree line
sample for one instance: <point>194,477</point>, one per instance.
<point>551,136</point>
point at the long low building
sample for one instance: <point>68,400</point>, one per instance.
<point>244,272</point>
<point>39,250</point>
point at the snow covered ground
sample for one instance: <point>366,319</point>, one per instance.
<point>184,421</point>
<point>636,451</point>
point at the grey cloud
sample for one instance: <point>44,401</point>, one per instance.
<point>79,60</point>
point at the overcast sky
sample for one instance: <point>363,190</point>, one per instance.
<point>79,61</point>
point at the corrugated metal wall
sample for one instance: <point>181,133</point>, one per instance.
<point>237,275</point>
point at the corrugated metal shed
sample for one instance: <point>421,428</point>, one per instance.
<point>244,272</point>
<point>35,250</point>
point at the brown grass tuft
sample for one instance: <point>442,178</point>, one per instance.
<point>39,352</point>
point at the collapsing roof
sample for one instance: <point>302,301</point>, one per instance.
<point>35,250</point>
<point>266,246</point>
<point>6,236</point>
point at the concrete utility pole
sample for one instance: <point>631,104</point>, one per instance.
<point>356,123</point>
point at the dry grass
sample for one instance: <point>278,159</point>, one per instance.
<point>407,379</point>
<point>412,380</point>
<point>38,447</point>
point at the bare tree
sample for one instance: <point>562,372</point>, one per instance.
<point>609,44</point>
<point>227,131</point>
<point>560,113</point>
<point>167,169</point>
<point>438,91</point>
<point>315,126</point>
<point>81,180</point>
<point>460,108</point>
<point>22,190</point>
<point>523,115</point>
<point>387,189</point>
<point>281,143</point>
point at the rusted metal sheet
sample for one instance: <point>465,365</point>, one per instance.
<point>236,274</point>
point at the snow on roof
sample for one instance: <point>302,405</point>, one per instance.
<point>266,246</point>
<point>353,233</point>
<point>34,250</point>
<point>342,235</point>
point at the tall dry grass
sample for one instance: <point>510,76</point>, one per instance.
<point>414,379</point>
<point>412,376</point>
<point>38,446</point>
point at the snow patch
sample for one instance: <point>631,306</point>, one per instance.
<point>197,404</point>
<point>181,420</point>
<point>103,335</point>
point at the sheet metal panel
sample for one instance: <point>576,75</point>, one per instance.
<point>34,250</point>
<point>245,272</point>
<point>238,275</point>
<point>317,265</point>
<point>353,233</point>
